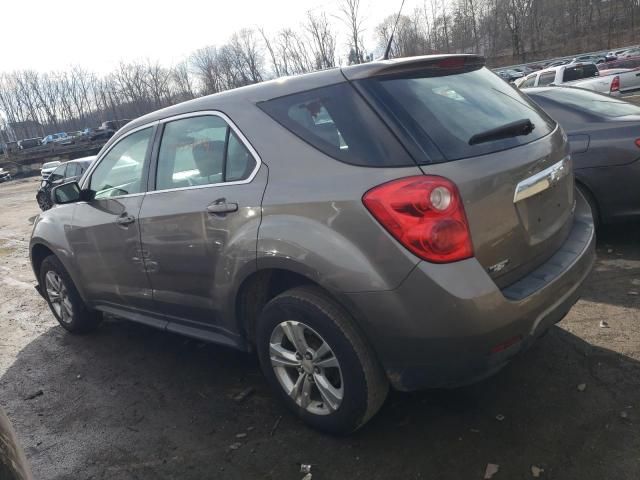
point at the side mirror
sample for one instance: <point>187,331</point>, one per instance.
<point>66,193</point>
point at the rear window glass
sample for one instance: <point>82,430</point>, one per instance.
<point>590,102</point>
<point>336,121</point>
<point>579,72</point>
<point>546,79</point>
<point>448,110</point>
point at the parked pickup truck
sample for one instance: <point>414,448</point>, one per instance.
<point>614,81</point>
<point>559,75</point>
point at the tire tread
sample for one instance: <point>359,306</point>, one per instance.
<point>375,378</point>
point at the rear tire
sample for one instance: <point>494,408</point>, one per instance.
<point>329,377</point>
<point>64,300</point>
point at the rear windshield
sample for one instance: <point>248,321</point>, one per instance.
<point>448,110</point>
<point>579,72</point>
<point>590,102</point>
<point>336,121</point>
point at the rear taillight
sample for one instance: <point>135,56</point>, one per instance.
<point>615,84</point>
<point>425,214</point>
<point>637,142</point>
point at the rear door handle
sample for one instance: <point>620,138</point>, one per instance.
<point>125,220</point>
<point>222,207</point>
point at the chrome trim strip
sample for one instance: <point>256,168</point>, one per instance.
<point>542,180</point>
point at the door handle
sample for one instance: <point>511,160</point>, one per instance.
<point>125,220</point>
<point>222,206</point>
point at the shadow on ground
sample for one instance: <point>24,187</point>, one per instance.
<point>130,402</point>
<point>616,277</point>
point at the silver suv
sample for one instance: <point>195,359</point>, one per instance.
<point>410,223</point>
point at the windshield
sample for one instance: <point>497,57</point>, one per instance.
<point>448,110</point>
<point>590,102</point>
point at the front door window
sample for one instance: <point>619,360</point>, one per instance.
<point>120,171</point>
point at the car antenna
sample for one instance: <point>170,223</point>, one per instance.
<point>395,25</point>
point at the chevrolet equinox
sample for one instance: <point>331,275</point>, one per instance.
<point>410,223</point>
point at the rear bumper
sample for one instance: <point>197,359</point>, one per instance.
<point>449,325</point>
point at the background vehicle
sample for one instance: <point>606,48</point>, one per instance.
<point>47,168</point>
<point>55,138</point>
<point>29,143</point>
<point>510,75</point>
<point>628,62</point>
<point>604,134</point>
<point>5,176</point>
<point>589,59</point>
<point>608,82</point>
<point>559,75</point>
<point>378,248</point>
<point>556,63</point>
<point>97,134</point>
<point>65,172</point>
<point>631,52</point>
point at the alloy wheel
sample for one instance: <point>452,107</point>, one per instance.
<point>306,367</point>
<point>58,296</point>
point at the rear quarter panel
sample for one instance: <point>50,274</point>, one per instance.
<point>313,220</point>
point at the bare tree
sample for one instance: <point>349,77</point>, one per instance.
<point>183,81</point>
<point>206,65</point>
<point>323,40</point>
<point>409,38</point>
<point>350,14</point>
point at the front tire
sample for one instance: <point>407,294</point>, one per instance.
<point>63,298</point>
<point>317,363</point>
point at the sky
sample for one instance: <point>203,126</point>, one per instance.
<point>97,35</point>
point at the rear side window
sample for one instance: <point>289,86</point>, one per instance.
<point>546,79</point>
<point>448,110</point>
<point>201,151</point>
<point>529,82</point>
<point>336,121</point>
<point>579,72</point>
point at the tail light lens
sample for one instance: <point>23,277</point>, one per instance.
<point>425,214</point>
<point>615,84</point>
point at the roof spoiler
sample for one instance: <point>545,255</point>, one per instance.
<point>427,64</point>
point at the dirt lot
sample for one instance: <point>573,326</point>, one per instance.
<point>129,402</point>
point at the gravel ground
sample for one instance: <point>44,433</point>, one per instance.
<point>129,402</point>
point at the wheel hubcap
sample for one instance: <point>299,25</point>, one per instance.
<point>306,367</point>
<point>58,296</point>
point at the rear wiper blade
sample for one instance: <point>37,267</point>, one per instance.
<point>513,129</point>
